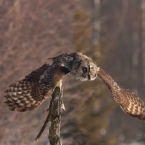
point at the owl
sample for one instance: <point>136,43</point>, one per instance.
<point>31,91</point>
<point>128,101</point>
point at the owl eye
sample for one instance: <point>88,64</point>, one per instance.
<point>84,69</point>
<point>91,68</point>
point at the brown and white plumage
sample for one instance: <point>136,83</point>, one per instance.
<point>30,92</point>
<point>128,101</point>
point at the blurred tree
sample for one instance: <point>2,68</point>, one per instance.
<point>121,26</point>
<point>111,32</point>
<point>141,134</point>
<point>92,115</point>
<point>143,37</point>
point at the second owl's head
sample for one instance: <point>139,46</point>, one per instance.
<point>83,67</point>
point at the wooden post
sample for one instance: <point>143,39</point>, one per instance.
<point>54,116</point>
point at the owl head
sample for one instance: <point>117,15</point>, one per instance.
<point>83,67</point>
<point>77,64</point>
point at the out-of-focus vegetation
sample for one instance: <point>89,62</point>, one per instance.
<point>31,31</point>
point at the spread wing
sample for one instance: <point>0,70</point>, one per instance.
<point>29,93</point>
<point>130,103</point>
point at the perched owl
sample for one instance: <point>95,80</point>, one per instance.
<point>128,101</point>
<point>30,92</point>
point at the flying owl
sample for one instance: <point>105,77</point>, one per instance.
<point>128,101</point>
<point>30,92</point>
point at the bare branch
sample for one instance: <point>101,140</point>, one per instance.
<point>54,116</point>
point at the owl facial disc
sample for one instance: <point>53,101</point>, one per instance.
<point>84,68</point>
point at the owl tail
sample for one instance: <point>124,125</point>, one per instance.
<point>18,96</point>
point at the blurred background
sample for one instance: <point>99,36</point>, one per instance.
<point>112,32</point>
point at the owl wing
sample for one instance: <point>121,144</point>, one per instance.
<point>130,103</point>
<point>30,92</point>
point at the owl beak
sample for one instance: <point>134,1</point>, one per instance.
<point>89,75</point>
<point>91,78</point>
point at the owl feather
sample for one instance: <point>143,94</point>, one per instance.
<point>31,91</point>
<point>128,101</point>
